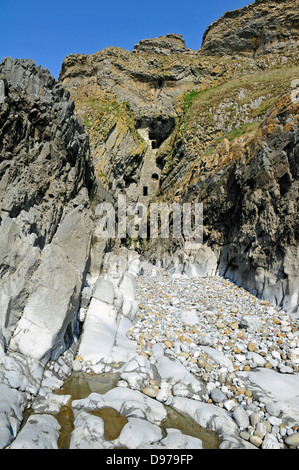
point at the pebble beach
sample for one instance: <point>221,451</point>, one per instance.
<point>164,361</point>
<point>220,333</point>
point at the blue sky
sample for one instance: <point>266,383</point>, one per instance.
<point>49,31</point>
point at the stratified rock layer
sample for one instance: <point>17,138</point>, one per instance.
<point>200,117</point>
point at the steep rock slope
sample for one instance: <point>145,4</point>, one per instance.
<point>265,26</point>
<point>46,178</point>
<point>249,190</point>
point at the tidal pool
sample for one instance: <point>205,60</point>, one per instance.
<point>80,385</point>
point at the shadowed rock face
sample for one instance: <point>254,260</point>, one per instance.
<point>262,252</point>
<point>46,178</point>
<point>265,26</point>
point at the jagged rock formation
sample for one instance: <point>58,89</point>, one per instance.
<point>265,26</point>
<point>46,180</point>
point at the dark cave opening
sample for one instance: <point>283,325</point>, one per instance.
<point>160,128</point>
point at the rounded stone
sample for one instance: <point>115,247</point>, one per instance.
<point>241,417</point>
<point>259,434</point>
<point>150,391</point>
<point>163,394</point>
<point>293,439</point>
<point>256,440</point>
<point>273,409</point>
<point>217,395</point>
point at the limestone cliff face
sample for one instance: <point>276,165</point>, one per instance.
<point>262,27</point>
<point>46,180</point>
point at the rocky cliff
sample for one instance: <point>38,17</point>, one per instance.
<point>129,101</point>
<point>249,190</point>
<point>265,26</point>
<point>46,183</point>
<point>189,120</point>
<point>160,124</point>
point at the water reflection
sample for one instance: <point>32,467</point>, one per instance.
<point>80,385</point>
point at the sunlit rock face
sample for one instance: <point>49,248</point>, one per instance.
<point>261,27</point>
<point>46,178</point>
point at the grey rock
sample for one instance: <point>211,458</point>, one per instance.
<point>252,30</point>
<point>251,323</point>
<point>165,45</point>
<point>241,417</point>
<point>47,324</point>
<point>217,395</point>
<point>5,431</point>
<point>286,370</point>
<point>104,290</point>
<point>46,178</point>
<point>270,442</point>
<point>292,439</point>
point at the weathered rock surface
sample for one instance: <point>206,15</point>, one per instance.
<point>169,44</point>
<point>201,149</point>
<point>45,232</point>
<point>109,315</point>
<point>261,27</point>
<point>122,95</point>
<point>250,209</point>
